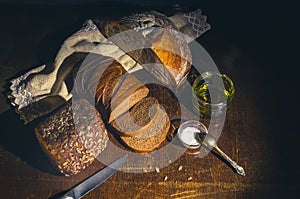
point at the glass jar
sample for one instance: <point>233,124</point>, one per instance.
<point>212,94</point>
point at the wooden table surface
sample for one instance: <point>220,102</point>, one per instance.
<point>31,35</point>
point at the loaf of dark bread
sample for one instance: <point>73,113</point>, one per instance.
<point>72,148</point>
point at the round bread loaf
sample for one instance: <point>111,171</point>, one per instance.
<point>72,148</point>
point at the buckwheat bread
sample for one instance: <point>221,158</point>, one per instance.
<point>153,135</point>
<point>136,121</point>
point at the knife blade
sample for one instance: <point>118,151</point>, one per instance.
<point>94,181</point>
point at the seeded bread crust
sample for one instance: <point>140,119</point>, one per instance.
<point>71,149</point>
<point>152,137</point>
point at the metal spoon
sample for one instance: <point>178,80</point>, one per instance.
<point>210,142</point>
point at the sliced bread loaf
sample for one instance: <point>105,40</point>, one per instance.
<point>138,119</point>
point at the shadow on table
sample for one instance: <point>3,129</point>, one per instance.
<point>20,140</point>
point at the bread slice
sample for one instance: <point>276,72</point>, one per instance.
<point>138,119</point>
<point>152,137</point>
<point>130,92</point>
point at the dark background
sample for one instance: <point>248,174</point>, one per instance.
<point>256,39</point>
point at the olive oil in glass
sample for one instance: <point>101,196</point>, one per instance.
<point>212,94</point>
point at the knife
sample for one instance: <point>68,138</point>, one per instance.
<point>93,181</point>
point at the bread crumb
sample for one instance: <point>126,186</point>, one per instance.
<point>180,168</point>
<point>170,161</point>
<point>144,170</point>
<point>190,178</point>
<point>157,169</point>
<point>165,178</point>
